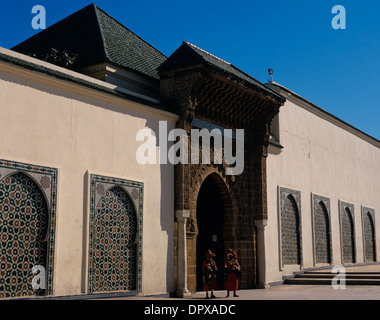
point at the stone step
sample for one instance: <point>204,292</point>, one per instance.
<point>347,272</point>
<point>332,275</point>
<point>328,281</point>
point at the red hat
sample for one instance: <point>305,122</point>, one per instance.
<point>230,251</point>
<point>209,254</point>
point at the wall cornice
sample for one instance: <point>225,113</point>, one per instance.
<point>104,93</point>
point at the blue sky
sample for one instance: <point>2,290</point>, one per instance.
<point>338,70</point>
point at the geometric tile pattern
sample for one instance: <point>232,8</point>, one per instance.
<point>23,221</point>
<point>27,227</point>
<point>347,233</point>
<point>290,227</point>
<point>114,262</point>
<point>322,235</point>
<point>368,216</point>
<point>115,235</point>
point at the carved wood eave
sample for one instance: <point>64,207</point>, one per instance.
<point>228,103</point>
<point>207,93</point>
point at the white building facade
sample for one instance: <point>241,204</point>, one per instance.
<point>79,214</point>
<point>323,191</point>
<point>74,148</point>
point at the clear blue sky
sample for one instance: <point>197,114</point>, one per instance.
<point>338,70</point>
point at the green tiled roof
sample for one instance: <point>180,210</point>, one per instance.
<point>188,55</point>
<point>95,37</point>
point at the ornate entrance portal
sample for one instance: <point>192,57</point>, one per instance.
<point>214,209</point>
<point>210,220</point>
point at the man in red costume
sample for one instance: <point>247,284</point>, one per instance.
<point>232,272</point>
<point>209,274</point>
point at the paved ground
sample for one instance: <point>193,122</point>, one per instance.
<point>278,292</point>
<point>287,292</point>
<point>293,292</point>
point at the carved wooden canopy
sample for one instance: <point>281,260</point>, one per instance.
<point>195,83</point>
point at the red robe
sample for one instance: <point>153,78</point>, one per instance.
<point>209,275</point>
<point>232,281</point>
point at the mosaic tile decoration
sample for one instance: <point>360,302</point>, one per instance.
<point>115,235</point>
<point>322,234</point>
<point>27,224</point>
<point>369,234</point>
<point>290,226</point>
<point>347,232</point>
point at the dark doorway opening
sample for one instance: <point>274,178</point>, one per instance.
<point>210,220</point>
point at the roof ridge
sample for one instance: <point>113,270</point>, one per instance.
<point>103,41</point>
<point>210,54</point>
<point>230,65</point>
<point>104,12</point>
<point>246,74</point>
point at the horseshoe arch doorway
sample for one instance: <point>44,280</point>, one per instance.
<point>213,207</point>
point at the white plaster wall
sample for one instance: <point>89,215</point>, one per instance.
<point>319,157</point>
<point>45,121</point>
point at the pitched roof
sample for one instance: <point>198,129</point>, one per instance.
<point>188,55</point>
<point>95,37</point>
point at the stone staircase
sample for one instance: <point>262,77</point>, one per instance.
<point>325,277</point>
